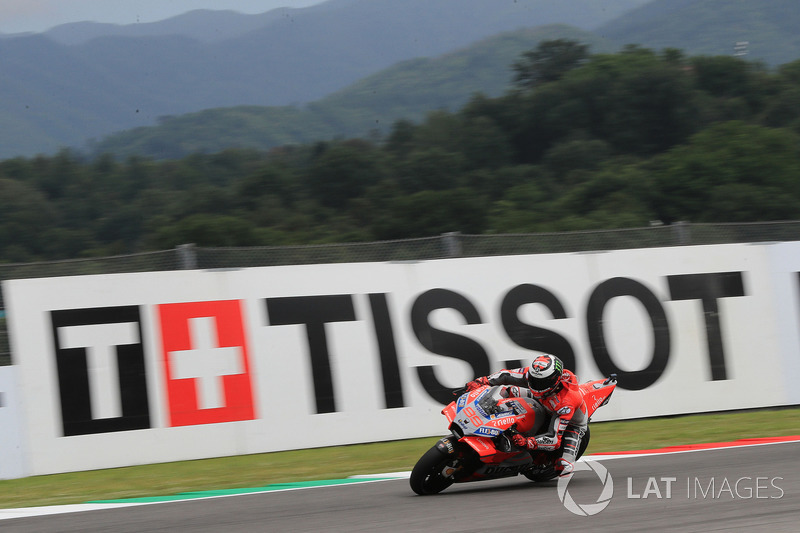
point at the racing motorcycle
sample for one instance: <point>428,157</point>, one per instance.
<point>479,448</point>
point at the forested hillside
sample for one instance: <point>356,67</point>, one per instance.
<point>600,141</point>
<point>407,90</point>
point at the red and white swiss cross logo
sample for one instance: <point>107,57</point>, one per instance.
<point>206,363</point>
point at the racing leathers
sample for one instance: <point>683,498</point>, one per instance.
<point>568,421</point>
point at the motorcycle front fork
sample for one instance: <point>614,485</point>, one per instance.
<point>452,468</point>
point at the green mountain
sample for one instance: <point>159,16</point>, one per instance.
<point>113,78</point>
<point>714,27</point>
<point>408,90</point>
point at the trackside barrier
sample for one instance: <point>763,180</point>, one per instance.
<point>126,369</point>
<point>13,463</point>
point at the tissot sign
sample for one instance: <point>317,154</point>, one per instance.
<point>102,381</point>
<point>133,368</point>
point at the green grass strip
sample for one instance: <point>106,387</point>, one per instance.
<point>235,492</point>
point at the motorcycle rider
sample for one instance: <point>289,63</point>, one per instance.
<point>556,389</point>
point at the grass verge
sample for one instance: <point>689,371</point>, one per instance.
<point>343,461</point>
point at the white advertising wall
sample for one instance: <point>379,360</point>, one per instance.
<point>138,368</point>
<point>12,460</point>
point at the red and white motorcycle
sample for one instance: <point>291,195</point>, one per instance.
<point>481,422</point>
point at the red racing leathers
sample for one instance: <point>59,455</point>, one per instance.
<point>568,420</point>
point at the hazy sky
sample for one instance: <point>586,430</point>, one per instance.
<point>39,15</point>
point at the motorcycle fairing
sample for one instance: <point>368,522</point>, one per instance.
<point>597,393</point>
<point>507,466</point>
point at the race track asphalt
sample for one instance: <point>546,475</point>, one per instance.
<point>754,488</point>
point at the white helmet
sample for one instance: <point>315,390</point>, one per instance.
<point>544,374</point>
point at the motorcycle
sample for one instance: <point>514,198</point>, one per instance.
<point>479,448</point>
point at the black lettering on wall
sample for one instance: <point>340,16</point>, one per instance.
<point>708,288</point>
<point>314,312</point>
<point>73,373</point>
<point>602,294</point>
<point>533,337</point>
<point>444,342</point>
<point>390,368</point>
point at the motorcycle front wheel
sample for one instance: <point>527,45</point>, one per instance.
<point>428,476</point>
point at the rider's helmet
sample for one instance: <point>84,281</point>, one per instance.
<point>544,375</point>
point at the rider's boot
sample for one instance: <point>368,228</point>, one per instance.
<point>572,441</point>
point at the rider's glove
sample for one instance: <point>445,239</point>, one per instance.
<point>521,441</point>
<point>477,383</point>
<point>510,392</point>
<point>564,467</point>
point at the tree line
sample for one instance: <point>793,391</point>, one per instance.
<point>579,141</point>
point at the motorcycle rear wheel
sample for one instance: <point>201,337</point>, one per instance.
<point>427,476</point>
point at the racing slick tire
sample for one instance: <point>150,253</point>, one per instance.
<point>428,476</point>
